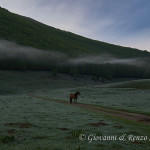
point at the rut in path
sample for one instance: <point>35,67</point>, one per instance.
<point>122,114</point>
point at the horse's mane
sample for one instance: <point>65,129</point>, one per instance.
<point>77,93</point>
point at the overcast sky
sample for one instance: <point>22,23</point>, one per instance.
<point>121,22</point>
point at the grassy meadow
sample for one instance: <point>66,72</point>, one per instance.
<point>28,123</point>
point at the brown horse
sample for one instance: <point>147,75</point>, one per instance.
<point>74,96</point>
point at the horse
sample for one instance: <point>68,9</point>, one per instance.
<point>74,96</point>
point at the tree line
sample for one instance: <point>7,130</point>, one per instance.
<point>108,71</point>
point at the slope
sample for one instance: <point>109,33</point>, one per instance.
<point>29,32</point>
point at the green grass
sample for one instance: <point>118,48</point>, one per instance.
<point>137,84</point>
<point>36,124</point>
<point>129,99</point>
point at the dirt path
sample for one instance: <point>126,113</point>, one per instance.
<point>122,114</point>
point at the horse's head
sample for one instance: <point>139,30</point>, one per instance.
<point>78,93</point>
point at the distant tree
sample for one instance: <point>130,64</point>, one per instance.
<point>146,74</point>
<point>54,72</point>
<point>74,72</point>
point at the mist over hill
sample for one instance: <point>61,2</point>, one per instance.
<point>11,50</point>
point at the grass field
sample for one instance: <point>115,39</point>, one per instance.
<point>132,96</point>
<point>28,123</point>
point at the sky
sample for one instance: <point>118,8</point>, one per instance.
<point>120,22</point>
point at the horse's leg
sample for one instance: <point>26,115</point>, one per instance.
<point>71,100</point>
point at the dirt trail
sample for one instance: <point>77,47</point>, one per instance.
<point>122,114</point>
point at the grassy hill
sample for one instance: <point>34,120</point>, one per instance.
<point>29,32</point>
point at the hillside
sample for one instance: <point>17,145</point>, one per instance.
<point>30,36</point>
<point>28,32</point>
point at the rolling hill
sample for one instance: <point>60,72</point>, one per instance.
<point>28,32</point>
<point>33,37</point>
